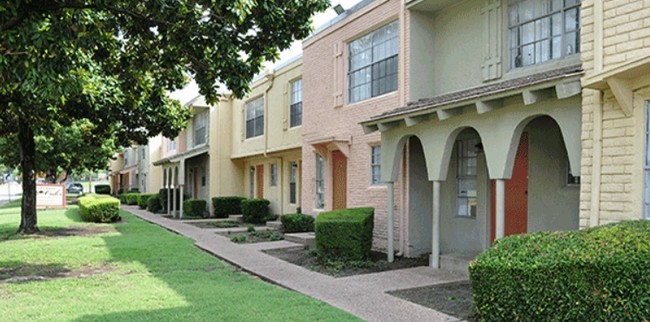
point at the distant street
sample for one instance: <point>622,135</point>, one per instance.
<point>10,191</point>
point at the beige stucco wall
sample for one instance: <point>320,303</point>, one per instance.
<point>154,176</point>
<point>614,33</point>
<point>224,175</point>
<point>329,117</point>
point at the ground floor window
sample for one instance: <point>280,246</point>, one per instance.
<point>293,180</point>
<point>466,177</point>
<point>646,165</point>
<point>375,164</point>
<point>320,182</point>
<point>274,174</point>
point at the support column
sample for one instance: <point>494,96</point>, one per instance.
<point>391,215</point>
<point>500,209</point>
<point>435,227</point>
<point>181,202</point>
<point>168,188</point>
<point>173,192</point>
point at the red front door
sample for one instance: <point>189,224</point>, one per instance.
<point>516,212</point>
<point>260,180</point>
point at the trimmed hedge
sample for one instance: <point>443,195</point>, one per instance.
<point>130,198</point>
<point>103,189</point>
<point>99,208</point>
<point>143,200</point>
<point>344,234</point>
<point>163,193</point>
<point>224,206</point>
<point>297,223</point>
<point>153,204</point>
<point>597,274</point>
<point>255,210</point>
<point>194,208</point>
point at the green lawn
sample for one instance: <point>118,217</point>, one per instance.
<point>132,271</point>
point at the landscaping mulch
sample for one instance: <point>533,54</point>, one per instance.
<point>454,299</point>
<point>217,224</point>
<point>258,236</point>
<point>377,262</point>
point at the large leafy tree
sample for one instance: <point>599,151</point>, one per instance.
<point>110,63</point>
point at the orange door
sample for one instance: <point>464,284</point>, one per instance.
<point>339,180</point>
<point>259,171</point>
<point>516,194</point>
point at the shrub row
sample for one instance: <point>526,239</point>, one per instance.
<point>194,208</point>
<point>225,206</point>
<point>297,223</point>
<point>599,274</point>
<point>99,208</point>
<point>143,199</point>
<point>153,204</point>
<point>163,193</point>
<point>103,189</point>
<point>344,234</point>
<point>129,198</point>
<point>255,211</point>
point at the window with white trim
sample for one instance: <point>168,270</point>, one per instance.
<point>172,145</point>
<point>274,174</point>
<point>466,182</point>
<point>646,165</point>
<point>255,118</point>
<point>200,128</point>
<point>293,182</point>
<point>319,201</point>
<point>543,30</point>
<point>375,164</point>
<point>373,64</point>
<point>295,117</point>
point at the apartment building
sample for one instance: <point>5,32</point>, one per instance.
<point>131,169</point>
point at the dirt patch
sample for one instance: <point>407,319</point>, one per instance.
<point>450,298</point>
<point>29,273</point>
<point>76,231</point>
<point>377,262</point>
<point>216,224</point>
<point>258,236</point>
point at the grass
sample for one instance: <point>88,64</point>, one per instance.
<point>132,271</point>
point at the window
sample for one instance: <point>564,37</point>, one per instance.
<point>466,177</point>
<point>646,164</point>
<point>274,174</point>
<point>296,104</point>
<point>172,145</point>
<point>143,154</point>
<point>375,164</point>
<point>373,64</point>
<point>543,30</point>
<point>320,182</point>
<point>293,179</point>
<point>255,118</point>
<point>200,133</point>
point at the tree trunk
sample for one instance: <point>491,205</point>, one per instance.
<point>27,156</point>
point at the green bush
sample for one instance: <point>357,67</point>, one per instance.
<point>224,206</point>
<point>134,190</point>
<point>99,208</point>
<point>163,193</point>
<point>103,189</point>
<point>255,210</point>
<point>130,198</point>
<point>143,200</point>
<point>194,208</point>
<point>297,223</point>
<point>597,274</point>
<point>153,204</point>
<point>344,234</point>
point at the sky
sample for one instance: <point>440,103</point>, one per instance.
<point>319,19</point>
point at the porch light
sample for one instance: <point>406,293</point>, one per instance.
<point>338,9</point>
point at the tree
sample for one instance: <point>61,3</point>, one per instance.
<point>110,63</point>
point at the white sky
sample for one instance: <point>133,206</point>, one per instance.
<point>320,19</point>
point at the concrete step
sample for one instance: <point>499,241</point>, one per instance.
<point>307,239</point>
<point>458,263</point>
<point>239,218</point>
<point>276,225</point>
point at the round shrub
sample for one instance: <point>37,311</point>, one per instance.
<point>99,208</point>
<point>194,208</point>
<point>297,223</point>
<point>599,274</point>
<point>131,198</point>
<point>225,206</point>
<point>255,210</point>
<point>143,200</point>
<point>153,204</point>
<point>103,189</point>
<point>344,234</point>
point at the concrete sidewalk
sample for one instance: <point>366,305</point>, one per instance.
<point>362,295</point>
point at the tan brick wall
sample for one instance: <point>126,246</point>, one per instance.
<point>614,32</point>
<point>322,80</point>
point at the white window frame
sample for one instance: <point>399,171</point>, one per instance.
<point>295,109</point>
<point>200,122</point>
<point>319,184</point>
<point>255,117</point>
<point>293,182</point>
<point>375,165</point>
<point>373,63</point>
<point>541,33</point>
<point>466,175</point>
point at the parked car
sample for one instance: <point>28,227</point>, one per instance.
<point>75,187</point>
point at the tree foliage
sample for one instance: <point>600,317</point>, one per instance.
<point>109,63</point>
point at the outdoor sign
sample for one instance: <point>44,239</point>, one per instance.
<point>50,196</point>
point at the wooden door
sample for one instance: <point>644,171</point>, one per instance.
<point>516,194</point>
<point>339,180</point>
<point>259,172</point>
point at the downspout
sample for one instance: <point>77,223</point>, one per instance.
<point>269,78</point>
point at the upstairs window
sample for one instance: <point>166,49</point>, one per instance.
<point>296,103</point>
<point>172,145</point>
<point>543,30</point>
<point>373,64</point>
<point>200,128</point>
<point>255,118</point>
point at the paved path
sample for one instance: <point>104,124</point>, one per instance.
<point>362,295</point>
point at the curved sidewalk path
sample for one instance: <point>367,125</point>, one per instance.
<point>362,295</point>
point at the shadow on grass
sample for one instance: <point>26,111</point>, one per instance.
<point>17,272</point>
<point>73,214</point>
